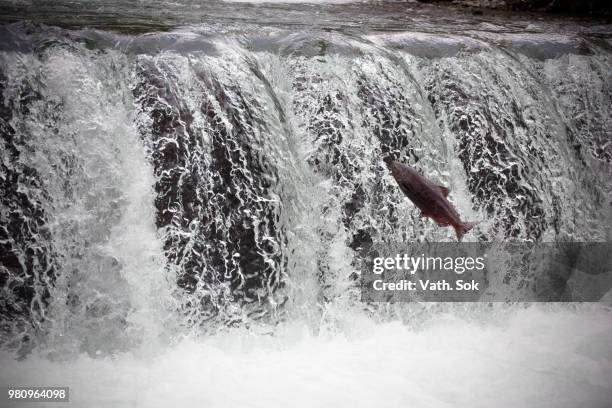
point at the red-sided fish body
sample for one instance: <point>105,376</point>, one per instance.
<point>429,198</point>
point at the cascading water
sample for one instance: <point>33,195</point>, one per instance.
<point>88,262</point>
<point>180,194</point>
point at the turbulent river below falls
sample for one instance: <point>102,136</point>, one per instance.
<point>186,191</point>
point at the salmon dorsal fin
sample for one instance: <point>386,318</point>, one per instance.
<point>444,190</point>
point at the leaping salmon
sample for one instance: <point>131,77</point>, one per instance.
<point>429,198</point>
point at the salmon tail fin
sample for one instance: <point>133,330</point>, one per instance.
<point>463,228</point>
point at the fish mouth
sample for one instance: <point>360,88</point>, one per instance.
<point>395,167</point>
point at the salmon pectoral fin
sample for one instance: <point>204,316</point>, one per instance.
<point>462,228</point>
<point>444,190</point>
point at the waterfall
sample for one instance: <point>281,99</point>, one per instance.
<point>162,184</point>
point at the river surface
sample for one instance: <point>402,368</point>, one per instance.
<point>187,190</point>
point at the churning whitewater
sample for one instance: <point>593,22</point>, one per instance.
<point>184,214</point>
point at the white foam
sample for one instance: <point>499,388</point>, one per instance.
<point>537,358</point>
